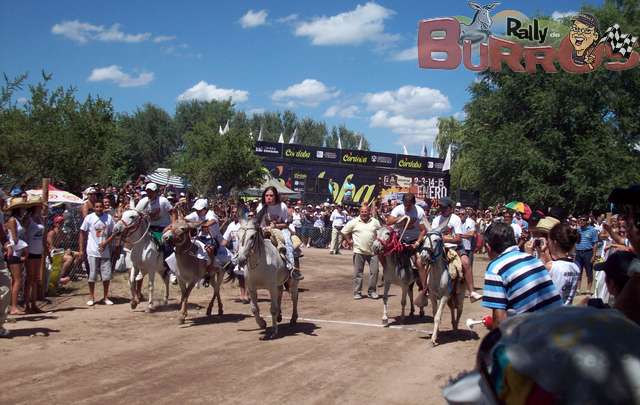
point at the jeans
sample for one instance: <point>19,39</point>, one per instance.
<point>358,269</point>
<point>583,259</point>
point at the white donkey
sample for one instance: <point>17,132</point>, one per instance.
<point>394,273</point>
<point>267,270</point>
<point>146,255</point>
<point>443,290</point>
<point>479,29</point>
<point>192,266</point>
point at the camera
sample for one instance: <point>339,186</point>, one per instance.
<point>537,243</point>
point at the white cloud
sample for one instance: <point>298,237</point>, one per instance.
<point>289,18</point>
<point>253,19</point>
<point>406,54</point>
<point>163,38</point>
<point>363,24</point>
<point>410,101</point>
<point>460,115</point>
<point>411,130</point>
<point>559,15</point>
<point>349,111</point>
<point>83,32</point>
<point>207,92</point>
<point>22,100</point>
<point>309,92</point>
<point>115,74</point>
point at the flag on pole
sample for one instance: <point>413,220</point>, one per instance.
<point>339,142</point>
<point>281,139</point>
<point>293,138</point>
<point>360,143</point>
<point>226,128</point>
<point>260,134</point>
<point>425,152</point>
<point>404,149</point>
<point>446,166</point>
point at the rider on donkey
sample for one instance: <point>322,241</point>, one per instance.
<point>412,232</point>
<point>275,222</point>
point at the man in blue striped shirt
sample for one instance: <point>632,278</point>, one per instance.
<point>514,281</point>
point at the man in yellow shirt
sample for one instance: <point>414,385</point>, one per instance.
<point>360,233</point>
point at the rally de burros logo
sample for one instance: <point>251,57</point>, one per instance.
<point>488,39</point>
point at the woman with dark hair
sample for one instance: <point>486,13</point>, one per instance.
<point>555,252</point>
<point>16,254</point>
<point>275,221</point>
<point>35,240</point>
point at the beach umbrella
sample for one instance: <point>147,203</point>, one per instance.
<point>56,196</point>
<point>520,207</point>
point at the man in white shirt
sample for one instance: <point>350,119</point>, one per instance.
<point>96,233</point>
<point>209,229</point>
<point>338,219</point>
<point>452,232</point>
<point>415,229</point>
<point>157,208</point>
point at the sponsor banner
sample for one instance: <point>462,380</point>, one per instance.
<point>419,163</point>
<point>365,158</point>
<point>269,149</point>
<point>309,153</point>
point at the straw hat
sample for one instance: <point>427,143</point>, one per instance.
<point>545,225</point>
<point>21,202</point>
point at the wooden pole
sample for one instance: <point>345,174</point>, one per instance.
<point>45,212</point>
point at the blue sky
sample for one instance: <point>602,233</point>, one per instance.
<point>344,62</point>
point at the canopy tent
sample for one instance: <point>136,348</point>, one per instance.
<point>282,189</point>
<point>56,196</point>
<point>163,177</point>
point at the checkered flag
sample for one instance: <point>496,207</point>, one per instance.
<point>620,43</point>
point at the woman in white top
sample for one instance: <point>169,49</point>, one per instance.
<point>35,240</point>
<point>16,249</point>
<point>555,253</point>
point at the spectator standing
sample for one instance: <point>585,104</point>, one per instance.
<point>231,242</point>
<point>35,239</point>
<point>514,281</point>
<point>338,219</point>
<point>5,275</point>
<point>16,250</point>
<point>555,252</point>
<point>96,233</point>
<point>360,233</point>
<point>585,250</point>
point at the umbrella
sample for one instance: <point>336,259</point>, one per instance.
<point>520,207</point>
<point>56,196</point>
<point>164,177</point>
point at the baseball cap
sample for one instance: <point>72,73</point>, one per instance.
<point>200,204</point>
<point>445,202</point>
<point>90,190</point>
<point>151,186</point>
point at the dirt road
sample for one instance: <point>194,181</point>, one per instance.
<point>338,353</point>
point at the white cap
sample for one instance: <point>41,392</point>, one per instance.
<point>151,186</point>
<point>458,205</point>
<point>90,190</point>
<point>200,204</point>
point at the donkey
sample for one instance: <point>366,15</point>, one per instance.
<point>442,289</point>
<point>265,269</point>
<point>146,255</point>
<point>394,273</point>
<point>191,268</point>
<point>479,29</point>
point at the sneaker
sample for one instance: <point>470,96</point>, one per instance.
<point>373,295</point>
<point>3,332</point>
<point>90,303</point>
<point>107,301</point>
<point>357,296</point>
<point>474,296</point>
<point>296,275</point>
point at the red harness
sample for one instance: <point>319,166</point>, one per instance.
<point>392,245</point>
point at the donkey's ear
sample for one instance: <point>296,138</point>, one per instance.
<point>491,6</point>
<point>475,6</point>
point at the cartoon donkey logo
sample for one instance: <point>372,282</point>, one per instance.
<point>479,29</point>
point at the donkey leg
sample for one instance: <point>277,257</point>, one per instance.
<point>166,289</point>
<point>152,276</point>
<point>293,291</point>
<point>255,310</point>
<point>132,286</point>
<point>403,302</point>
<point>280,291</point>
<point>185,302</point>
<point>219,279</point>
<point>385,300</point>
<point>412,309</point>
<point>274,317</point>
<point>183,293</point>
<point>437,318</point>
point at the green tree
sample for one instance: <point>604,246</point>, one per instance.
<point>349,139</point>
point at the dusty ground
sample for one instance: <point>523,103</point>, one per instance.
<point>75,354</point>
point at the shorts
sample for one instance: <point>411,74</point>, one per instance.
<point>14,260</point>
<point>35,256</point>
<point>99,264</point>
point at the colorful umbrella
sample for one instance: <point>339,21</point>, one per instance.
<point>57,196</point>
<point>521,207</point>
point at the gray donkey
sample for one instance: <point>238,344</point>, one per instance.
<point>479,29</point>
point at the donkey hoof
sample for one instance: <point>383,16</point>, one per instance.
<point>180,320</point>
<point>385,323</point>
<point>279,318</point>
<point>208,311</point>
<point>133,305</point>
<point>220,312</point>
<point>262,324</point>
<point>421,313</point>
<point>294,320</point>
